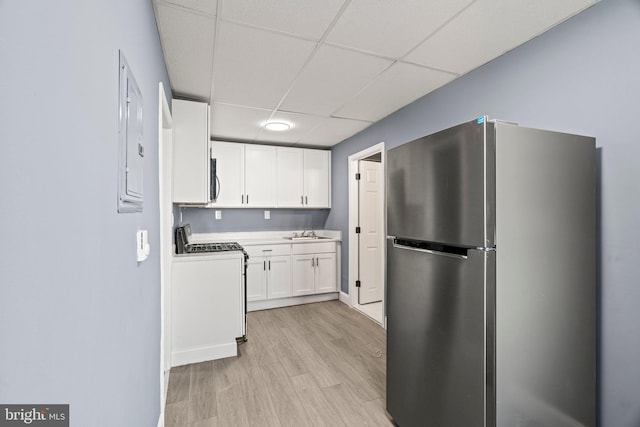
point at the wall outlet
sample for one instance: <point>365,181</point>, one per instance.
<point>267,214</point>
<point>218,214</point>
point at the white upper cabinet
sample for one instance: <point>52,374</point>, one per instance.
<point>191,176</point>
<point>265,176</point>
<point>317,181</point>
<point>304,178</point>
<point>290,177</point>
<point>246,175</point>
<point>230,172</point>
<point>259,175</point>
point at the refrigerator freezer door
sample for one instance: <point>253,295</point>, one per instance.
<point>436,335</point>
<point>437,187</point>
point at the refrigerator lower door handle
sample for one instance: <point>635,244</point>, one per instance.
<point>429,251</point>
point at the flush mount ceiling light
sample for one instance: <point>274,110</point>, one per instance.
<point>277,126</point>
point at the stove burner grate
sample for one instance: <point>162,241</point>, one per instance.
<point>213,247</point>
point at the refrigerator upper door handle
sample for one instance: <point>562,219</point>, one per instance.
<point>429,251</point>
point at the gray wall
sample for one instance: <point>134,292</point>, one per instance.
<point>79,317</point>
<point>203,221</point>
<point>581,77</point>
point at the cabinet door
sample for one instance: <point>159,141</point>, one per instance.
<point>317,181</point>
<point>256,279</point>
<point>325,273</point>
<point>230,171</point>
<point>260,175</point>
<point>279,277</point>
<point>190,152</point>
<point>290,177</point>
<point>303,276</point>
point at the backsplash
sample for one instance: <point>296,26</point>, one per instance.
<point>202,220</point>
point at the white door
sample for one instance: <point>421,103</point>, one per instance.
<point>279,277</point>
<point>325,266</point>
<point>256,279</point>
<point>260,175</point>
<point>316,178</point>
<point>290,190</point>
<point>166,246</point>
<point>230,172</point>
<point>303,274</point>
<point>371,232</point>
<point>165,158</point>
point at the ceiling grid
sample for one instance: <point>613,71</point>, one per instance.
<point>331,68</point>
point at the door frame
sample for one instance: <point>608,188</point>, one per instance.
<point>165,154</point>
<point>353,221</point>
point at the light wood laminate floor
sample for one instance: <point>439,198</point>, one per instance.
<point>317,364</point>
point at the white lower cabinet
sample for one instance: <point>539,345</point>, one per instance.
<point>268,272</point>
<point>256,279</point>
<point>325,273</point>
<point>279,277</point>
<point>303,274</point>
<point>207,307</point>
<point>314,268</point>
<point>277,274</point>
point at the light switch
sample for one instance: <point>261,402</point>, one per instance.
<point>218,214</point>
<point>267,214</point>
<point>142,245</point>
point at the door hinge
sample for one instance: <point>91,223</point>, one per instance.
<point>357,283</point>
<point>357,230</point>
<point>358,176</point>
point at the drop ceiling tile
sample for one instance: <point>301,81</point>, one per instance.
<point>300,124</point>
<point>398,86</point>
<point>489,28</point>
<point>333,131</point>
<point>308,18</point>
<point>189,69</point>
<point>255,67</point>
<point>332,77</point>
<point>391,28</point>
<point>202,6</point>
<point>236,123</point>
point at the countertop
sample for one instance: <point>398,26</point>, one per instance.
<point>266,237</point>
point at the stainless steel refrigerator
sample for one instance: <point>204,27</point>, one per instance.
<point>491,296</point>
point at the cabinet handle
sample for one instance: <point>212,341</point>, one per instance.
<point>306,200</point>
<point>247,199</point>
<point>317,262</point>
<point>242,203</point>
<point>312,262</point>
<point>269,265</point>
<point>302,200</point>
<point>264,265</point>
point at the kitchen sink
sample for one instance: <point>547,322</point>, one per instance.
<point>306,238</point>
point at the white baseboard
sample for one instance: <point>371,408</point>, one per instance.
<point>344,297</point>
<point>286,302</point>
<point>202,354</point>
